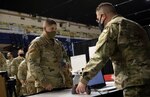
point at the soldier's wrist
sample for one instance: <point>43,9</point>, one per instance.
<point>83,80</point>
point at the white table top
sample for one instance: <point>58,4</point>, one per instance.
<point>67,92</point>
<point>63,93</point>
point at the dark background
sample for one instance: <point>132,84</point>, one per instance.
<point>83,48</point>
<point>81,11</point>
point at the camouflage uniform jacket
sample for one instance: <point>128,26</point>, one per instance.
<point>127,45</point>
<point>14,65</point>
<point>8,62</point>
<point>22,70</point>
<point>44,60</point>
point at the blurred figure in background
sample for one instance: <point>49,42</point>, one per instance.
<point>22,74</point>
<point>14,68</point>
<point>28,83</point>
<point>8,62</point>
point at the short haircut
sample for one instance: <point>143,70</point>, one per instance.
<point>50,22</point>
<point>106,5</point>
<point>20,50</point>
<point>10,53</point>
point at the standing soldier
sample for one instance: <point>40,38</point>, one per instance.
<point>126,43</point>
<point>28,83</point>
<point>8,61</point>
<point>22,74</point>
<point>14,69</point>
<point>47,60</point>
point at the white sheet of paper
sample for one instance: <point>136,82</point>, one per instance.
<point>78,62</point>
<point>91,51</point>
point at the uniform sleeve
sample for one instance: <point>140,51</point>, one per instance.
<point>22,71</point>
<point>33,63</point>
<point>66,58</point>
<point>67,69</point>
<point>13,67</point>
<point>104,49</point>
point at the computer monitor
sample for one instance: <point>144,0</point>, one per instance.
<point>97,81</point>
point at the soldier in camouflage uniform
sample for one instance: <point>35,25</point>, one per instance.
<point>47,60</point>
<point>8,62</point>
<point>2,62</point>
<point>14,69</point>
<point>126,43</point>
<point>28,84</point>
<point>22,74</point>
<point>15,62</point>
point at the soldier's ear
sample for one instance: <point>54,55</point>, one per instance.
<point>104,16</point>
<point>44,28</point>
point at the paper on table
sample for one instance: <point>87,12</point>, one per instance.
<point>78,62</point>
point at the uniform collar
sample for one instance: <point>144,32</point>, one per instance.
<point>51,41</point>
<point>115,17</point>
<point>19,57</point>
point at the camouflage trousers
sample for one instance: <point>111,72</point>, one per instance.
<point>137,91</point>
<point>30,87</point>
<point>23,90</point>
<point>18,87</point>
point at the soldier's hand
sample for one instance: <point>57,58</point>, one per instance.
<point>23,82</point>
<point>48,87</point>
<point>80,88</point>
